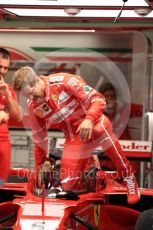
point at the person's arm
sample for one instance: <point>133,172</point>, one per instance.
<point>91,100</point>
<point>12,106</point>
<point>40,137</point>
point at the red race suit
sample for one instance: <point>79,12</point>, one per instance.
<point>119,118</point>
<point>69,100</point>
<point>5,143</point>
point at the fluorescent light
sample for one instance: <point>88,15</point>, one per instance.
<point>109,3</point>
<point>48,30</point>
<point>83,13</point>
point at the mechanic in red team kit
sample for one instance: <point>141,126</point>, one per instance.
<point>117,112</point>
<point>8,108</point>
<point>64,101</point>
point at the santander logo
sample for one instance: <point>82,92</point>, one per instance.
<point>127,146</point>
<point>136,146</point>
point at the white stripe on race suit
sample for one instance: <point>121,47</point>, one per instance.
<point>42,140</point>
<point>91,94</point>
<point>29,101</point>
<point>104,140</point>
<point>98,100</point>
<point>113,144</point>
<point>38,130</point>
<point>56,79</point>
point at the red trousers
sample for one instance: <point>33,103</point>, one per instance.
<point>76,155</point>
<point>5,159</point>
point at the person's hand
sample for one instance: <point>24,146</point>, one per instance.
<point>85,129</point>
<point>3,117</point>
<point>4,87</point>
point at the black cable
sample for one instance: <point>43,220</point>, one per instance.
<point>118,16</point>
<point>83,222</point>
<point>8,217</point>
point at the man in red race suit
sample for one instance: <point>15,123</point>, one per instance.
<point>64,101</point>
<point>8,108</point>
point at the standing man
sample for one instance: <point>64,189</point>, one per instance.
<point>64,101</point>
<point>117,111</point>
<point>8,108</point>
<point>117,114</point>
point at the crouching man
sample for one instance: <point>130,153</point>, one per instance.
<point>65,102</point>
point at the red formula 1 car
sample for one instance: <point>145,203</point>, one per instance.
<point>39,203</point>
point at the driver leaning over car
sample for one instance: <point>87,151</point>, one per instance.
<point>65,102</point>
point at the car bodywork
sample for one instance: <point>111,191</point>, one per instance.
<point>103,206</point>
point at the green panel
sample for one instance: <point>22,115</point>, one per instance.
<point>87,50</point>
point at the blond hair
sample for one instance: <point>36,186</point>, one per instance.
<point>23,77</point>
